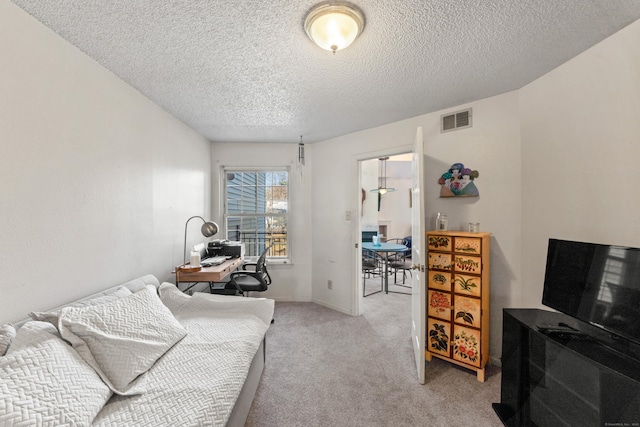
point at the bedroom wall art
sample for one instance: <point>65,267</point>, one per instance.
<point>458,181</point>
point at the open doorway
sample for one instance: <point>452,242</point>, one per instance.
<point>386,214</point>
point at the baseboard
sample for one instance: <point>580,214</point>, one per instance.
<point>283,299</point>
<point>331,306</point>
<point>495,361</point>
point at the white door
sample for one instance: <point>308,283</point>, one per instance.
<point>418,281</point>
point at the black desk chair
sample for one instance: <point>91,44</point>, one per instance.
<point>255,279</point>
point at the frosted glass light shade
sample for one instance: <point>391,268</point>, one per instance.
<point>335,25</point>
<point>382,178</point>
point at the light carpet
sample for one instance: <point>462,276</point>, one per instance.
<point>326,368</point>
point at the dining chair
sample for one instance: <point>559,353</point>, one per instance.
<point>401,261</point>
<point>372,264</point>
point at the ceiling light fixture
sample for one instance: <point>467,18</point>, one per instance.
<point>334,25</point>
<point>382,178</point>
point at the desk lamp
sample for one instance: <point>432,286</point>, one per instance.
<point>208,229</point>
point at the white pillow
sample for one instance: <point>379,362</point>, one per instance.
<point>122,339</point>
<point>32,335</point>
<point>7,334</point>
<point>48,383</point>
<point>107,296</point>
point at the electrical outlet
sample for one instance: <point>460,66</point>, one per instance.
<point>330,284</point>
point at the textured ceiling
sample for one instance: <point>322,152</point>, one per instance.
<point>244,70</point>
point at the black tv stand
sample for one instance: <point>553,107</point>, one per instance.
<point>562,331</point>
<point>556,371</point>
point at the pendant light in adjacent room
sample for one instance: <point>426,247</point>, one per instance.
<point>382,177</point>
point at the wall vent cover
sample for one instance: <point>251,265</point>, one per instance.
<point>455,121</point>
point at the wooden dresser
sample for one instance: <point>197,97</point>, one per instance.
<point>458,298</point>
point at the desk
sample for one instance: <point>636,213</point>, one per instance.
<point>385,248</point>
<point>215,273</point>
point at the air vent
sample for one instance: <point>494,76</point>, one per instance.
<point>455,121</point>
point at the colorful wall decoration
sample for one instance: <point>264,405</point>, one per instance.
<point>458,182</point>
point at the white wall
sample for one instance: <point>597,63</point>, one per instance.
<point>580,150</point>
<point>491,146</point>
<point>395,209</point>
<point>290,282</point>
<point>556,159</point>
<point>369,207</point>
<point>96,182</point>
<point>334,192</point>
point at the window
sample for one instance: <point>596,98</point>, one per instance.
<point>256,210</point>
<point>613,272</point>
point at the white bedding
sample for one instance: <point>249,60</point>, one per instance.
<point>197,382</point>
<point>45,383</point>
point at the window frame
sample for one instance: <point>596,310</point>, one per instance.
<point>224,170</point>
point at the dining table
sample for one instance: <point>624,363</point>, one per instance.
<point>385,248</point>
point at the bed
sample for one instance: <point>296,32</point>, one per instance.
<point>211,359</point>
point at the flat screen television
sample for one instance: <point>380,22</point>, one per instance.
<point>595,283</point>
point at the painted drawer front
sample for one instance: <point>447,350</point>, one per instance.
<point>468,245</point>
<point>439,337</point>
<point>468,264</point>
<point>440,280</point>
<point>440,243</point>
<point>440,261</point>
<point>466,345</point>
<point>440,305</point>
<point>467,284</point>
<point>467,311</point>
